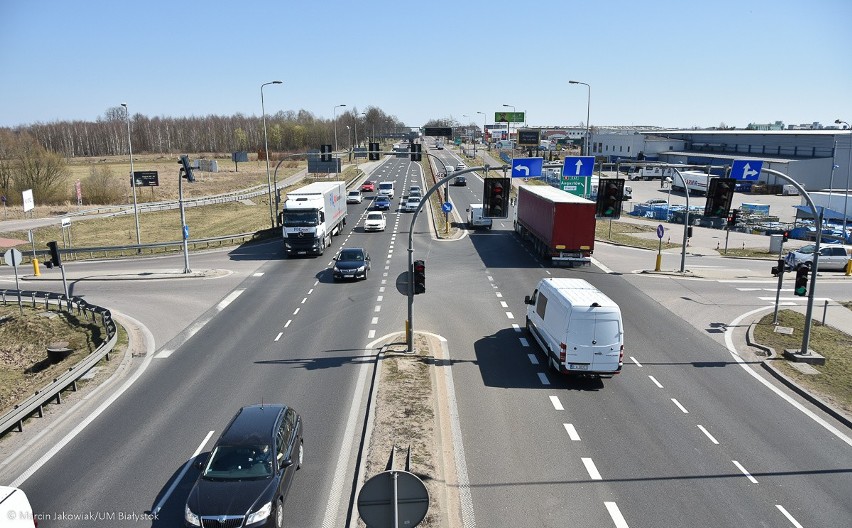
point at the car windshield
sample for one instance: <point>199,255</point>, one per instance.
<point>300,218</point>
<point>809,249</point>
<point>354,193</point>
<point>385,186</point>
<point>383,199</point>
<point>374,216</point>
<point>239,462</point>
<point>350,255</point>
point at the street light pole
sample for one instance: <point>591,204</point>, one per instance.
<point>335,124</point>
<point>484,118</point>
<point>588,107</point>
<point>848,170</point>
<point>266,151</point>
<point>132,178</point>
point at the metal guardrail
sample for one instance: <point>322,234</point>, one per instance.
<point>35,403</point>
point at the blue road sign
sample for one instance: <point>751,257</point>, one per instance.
<point>746,169</point>
<point>446,207</point>
<point>527,167</point>
<point>186,232</point>
<point>578,166</point>
<point>660,231</point>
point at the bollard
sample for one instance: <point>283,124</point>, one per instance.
<point>37,274</point>
<point>659,261</point>
<point>849,268</point>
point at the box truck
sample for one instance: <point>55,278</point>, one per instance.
<point>577,326</point>
<point>312,215</point>
<point>559,225</point>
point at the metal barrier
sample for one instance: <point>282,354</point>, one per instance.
<point>35,403</point>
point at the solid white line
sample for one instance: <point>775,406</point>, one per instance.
<point>615,513</point>
<point>543,378</point>
<point>533,359</point>
<point>503,304</point>
<point>229,299</point>
<point>162,354</point>
<point>572,432</point>
<point>657,383</point>
<point>603,268</point>
<point>790,299</point>
<point>181,474</point>
<point>706,432</point>
<point>746,473</point>
<point>288,323</point>
<point>509,315</point>
<point>590,467</point>
<point>516,327</point>
<point>279,336</point>
<point>789,517</point>
<point>524,342</point>
<point>636,361</point>
<point>810,414</point>
<point>556,403</point>
<point>681,407</point>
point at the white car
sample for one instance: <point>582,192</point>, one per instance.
<point>461,166</point>
<point>375,221</point>
<point>414,190</point>
<point>411,204</point>
<point>831,257</point>
<point>15,509</point>
<point>354,197</point>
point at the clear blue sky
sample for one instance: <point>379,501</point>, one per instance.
<point>672,63</point>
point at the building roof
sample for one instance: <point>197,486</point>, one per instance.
<point>725,156</point>
<point>821,132</point>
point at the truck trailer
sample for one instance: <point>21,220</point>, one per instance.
<point>559,225</point>
<point>311,216</point>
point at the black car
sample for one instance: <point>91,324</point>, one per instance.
<point>245,478</point>
<point>460,180</point>
<point>351,263</point>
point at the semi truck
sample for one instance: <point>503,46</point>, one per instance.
<point>651,173</point>
<point>559,225</point>
<point>696,181</point>
<point>311,216</point>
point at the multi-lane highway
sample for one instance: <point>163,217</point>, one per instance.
<point>685,436</point>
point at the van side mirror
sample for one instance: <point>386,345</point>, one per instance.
<point>527,299</point>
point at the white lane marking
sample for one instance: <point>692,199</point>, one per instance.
<point>378,308</point>
<point>789,517</point>
<point>516,327</point>
<point>657,383</point>
<point>381,289</point>
<point>503,304</point>
<point>379,298</point>
<point>636,361</point>
<point>297,311</point>
<point>509,315</point>
<point>681,407</point>
<point>572,432</point>
<point>810,414</point>
<point>279,336</point>
<point>590,467</point>
<point>533,359</point>
<point>179,478</point>
<point>162,354</point>
<point>304,300</point>
<point>556,403</point>
<point>490,278</point>
<point>288,323</point>
<point>524,342</point>
<point>384,281</point>
<point>706,432</point>
<point>375,320</point>
<point>603,268</point>
<point>499,295</point>
<point>371,334</point>
<point>615,513</point>
<point>542,377</point>
<point>310,291</point>
<point>228,300</point>
<point>316,282</point>
<point>257,274</point>
<point>746,473</point>
<point>752,289</point>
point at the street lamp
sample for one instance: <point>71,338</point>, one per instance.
<point>335,124</point>
<point>365,124</point>
<point>266,150</point>
<point>508,125</point>
<point>484,118</point>
<point>349,135</point>
<point>588,106</point>
<point>848,170</point>
<point>132,178</point>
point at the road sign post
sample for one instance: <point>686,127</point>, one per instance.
<point>660,232</point>
<point>13,258</point>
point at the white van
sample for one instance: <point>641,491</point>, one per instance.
<point>386,189</point>
<point>15,509</point>
<point>475,219</point>
<point>577,326</point>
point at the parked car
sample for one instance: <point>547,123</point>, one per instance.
<point>351,263</point>
<point>368,186</point>
<point>15,509</point>
<point>354,197</point>
<point>831,257</point>
<point>461,181</point>
<point>245,478</point>
<point>375,221</point>
<point>411,204</point>
<point>381,203</point>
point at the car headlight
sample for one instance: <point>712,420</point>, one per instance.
<point>260,515</point>
<point>361,268</point>
<point>335,269</point>
<point>190,517</point>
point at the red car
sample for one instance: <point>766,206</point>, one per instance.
<point>368,186</point>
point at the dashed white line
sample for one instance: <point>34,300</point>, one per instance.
<point>789,517</point>
<point>499,295</point>
<point>615,513</point>
<point>257,274</point>
<point>381,289</point>
<point>310,291</point>
<point>375,320</point>
<point>228,300</point>
<point>556,403</point>
<point>746,473</point>
<point>524,342</point>
<point>516,327</point>
<point>590,467</point>
<point>533,359</point>
<point>371,334</point>
<point>378,308</point>
<point>706,432</point>
<point>279,336</point>
<point>288,323</point>
<point>181,474</point>
<point>297,311</point>
<point>681,407</point>
<point>657,383</point>
<point>636,361</point>
<point>542,377</point>
<point>304,300</point>
<point>572,432</point>
<point>379,298</point>
<point>503,304</point>
<point>509,315</point>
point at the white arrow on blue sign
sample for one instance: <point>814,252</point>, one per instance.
<point>527,167</point>
<point>446,207</point>
<point>746,169</point>
<point>578,166</point>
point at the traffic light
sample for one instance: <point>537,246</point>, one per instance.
<point>55,257</point>
<point>374,152</point>
<point>778,269</point>
<point>419,277</point>
<point>733,217</point>
<point>801,288</point>
<point>186,169</point>
<point>784,236</point>
<point>325,152</point>
<point>416,151</point>
<point>720,194</point>
<point>495,197</point>
<point>610,192</point>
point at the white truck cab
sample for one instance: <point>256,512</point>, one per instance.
<point>577,326</point>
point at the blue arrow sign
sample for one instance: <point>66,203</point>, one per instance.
<point>746,169</point>
<point>185,232</point>
<point>527,167</point>
<point>578,166</point>
<point>446,207</point>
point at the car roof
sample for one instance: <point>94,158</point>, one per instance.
<point>253,424</point>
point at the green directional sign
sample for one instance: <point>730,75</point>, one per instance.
<point>576,185</point>
<point>508,117</point>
